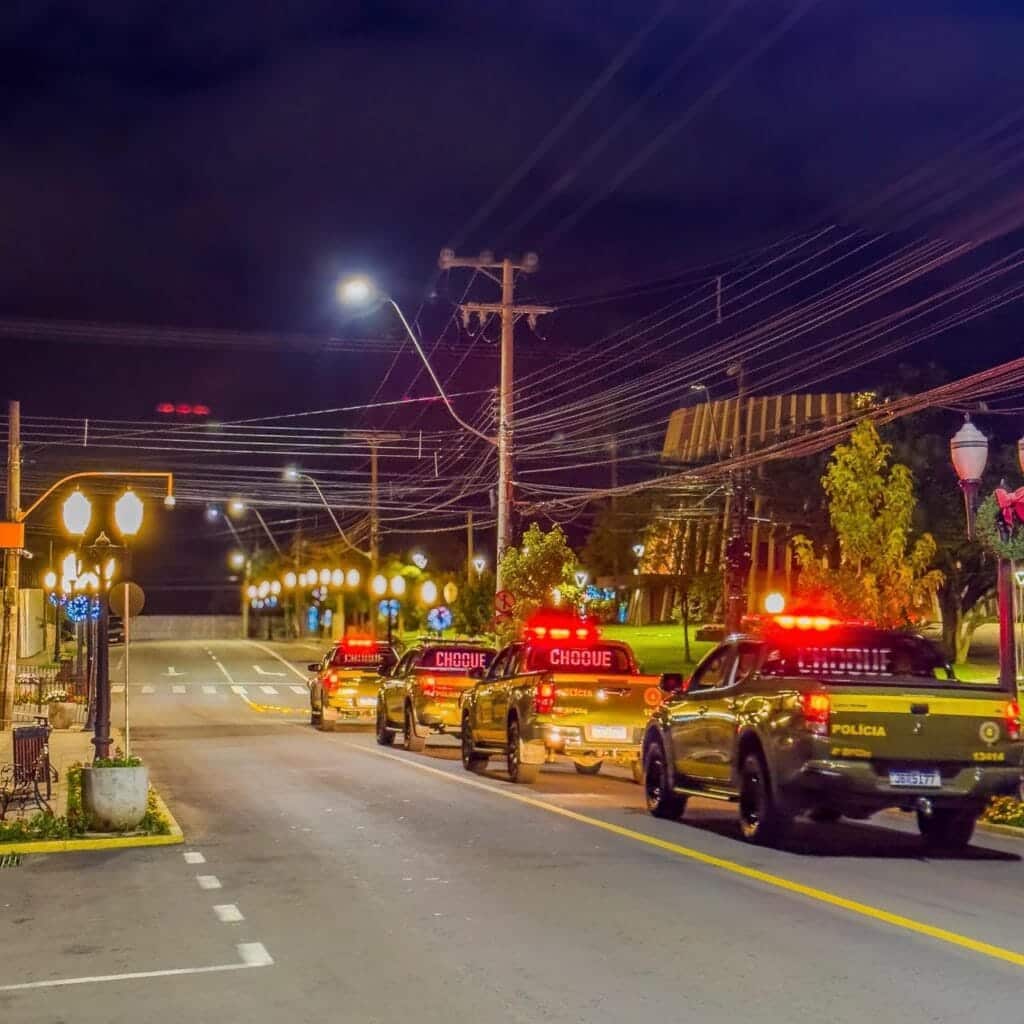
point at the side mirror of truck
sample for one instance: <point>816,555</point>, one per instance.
<point>673,682</point>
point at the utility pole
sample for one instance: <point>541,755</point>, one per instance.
<point>613,450</point>
<point>9,642</point>
<point>374,510</point>
<point>469,546</point>
<point>502,273</point>
<point>737,549</point>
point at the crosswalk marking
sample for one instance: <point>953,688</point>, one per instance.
<point>269,689</point>
<point>298,689</point>
<point>148,689</point>
<point>178,689</point>
<point>240,690</point>
<point>209,689</point>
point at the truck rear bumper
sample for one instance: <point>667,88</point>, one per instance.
<point>862,783</point>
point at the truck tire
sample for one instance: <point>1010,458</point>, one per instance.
<point>517,771</point>
<point>412,742</point>
<point>661,801</point>
<point>471,760</point>
<point>589,769</point>
<point>825,815</point>
<point>946,828</point>
<point>762,821</point>
<point>385,736</point>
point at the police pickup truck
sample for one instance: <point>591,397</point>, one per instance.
<point>562,689</point>
<point>831,719</point>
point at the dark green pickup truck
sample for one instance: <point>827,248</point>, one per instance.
<point>832,720</point>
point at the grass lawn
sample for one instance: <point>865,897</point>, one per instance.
<point>977,671</point>
<point>659,648</point>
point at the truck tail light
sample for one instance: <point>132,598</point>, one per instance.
<point>544,698</point>
<point>331,680</point>
<point>429,687</point>
<point>817,709</point>
<point>1011,716</point>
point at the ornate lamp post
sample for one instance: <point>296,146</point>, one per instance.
<point>968,449</point>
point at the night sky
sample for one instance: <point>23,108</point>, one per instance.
<point>219,165</point>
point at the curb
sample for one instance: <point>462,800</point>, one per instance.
<point>1002,830</point>
<point>97,842</point>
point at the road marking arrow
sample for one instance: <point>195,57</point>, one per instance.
<point>264,672</point>
<point>172,671</point>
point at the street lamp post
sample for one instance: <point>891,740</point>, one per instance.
<point>968,450</point>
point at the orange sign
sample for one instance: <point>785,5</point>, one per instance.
<point>12,535</point>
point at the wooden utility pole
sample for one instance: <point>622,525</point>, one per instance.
<point>469,547</point>
<point>9,643</point>
<point>502,273</point>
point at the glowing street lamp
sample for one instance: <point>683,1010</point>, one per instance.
<point>352,577</point>
<point>252,592</point>
<point>968,449</point>
<point>428,592</point>
<point>774,603</point>
<point>419,560</point>
<point>325,577</point>
<point>479,563</point>
<point>398,585</point>
<point>581,577</point>
<point>237,559</point>
<point>290,579</point>
<point>77,512</point>
<point>337,577</point>
<point>638,550</point>
<point>379,585</point>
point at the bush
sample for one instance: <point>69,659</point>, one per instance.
<point>1005,810</point>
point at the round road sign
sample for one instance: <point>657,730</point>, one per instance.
<point>127,595</point>
<point>504,601</point>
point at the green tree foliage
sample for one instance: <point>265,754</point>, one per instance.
<point>473,609</point>
<point>541,564</point>
<point>609,546</point>
<point>884,574</point>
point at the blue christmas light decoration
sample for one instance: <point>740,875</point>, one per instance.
<point>388,607</point>
<point>439,619</point>
<point>80,608</point>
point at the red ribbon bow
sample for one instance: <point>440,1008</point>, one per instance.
<point>1011,502</point>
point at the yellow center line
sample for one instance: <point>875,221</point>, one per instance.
<point>732,867</point>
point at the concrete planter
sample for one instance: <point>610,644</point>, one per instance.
<point>63,714</point>
<point>114,799</point>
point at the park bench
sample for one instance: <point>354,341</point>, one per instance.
<point>21,780</point>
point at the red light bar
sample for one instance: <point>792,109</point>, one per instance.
<point>200,410</point>
<point>184,409</point>
<point>357,642</point>
<point>165,408</point>
<point>805,622</point>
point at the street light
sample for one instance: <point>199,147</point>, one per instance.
<point>428,592</point>
<point>419,560</point>
<point>128,510</point>
<point>290,579</point>
<point>968,448</point>
<point>77,513</point>
<point>638,550</point>
<point>337,577</point>
<point>352,577</point>
<point>50,580</point>
<point>479,563</point>
<point>237,559</point>
<point>360,291</point>
<point>398,585</point>
<point>294,475</point>
<point>581,577</point>
<point>379,585</point>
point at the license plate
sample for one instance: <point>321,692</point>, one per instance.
<point>367,702</point>
<point>918,777</point>
<point>608,732</point>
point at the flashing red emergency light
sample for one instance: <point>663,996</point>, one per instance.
<point>559,627</point>
<point>165,408</point>
<point>182,409</point>
<point>805,622</point>
<point>357,641</point>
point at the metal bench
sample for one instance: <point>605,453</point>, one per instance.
<point>20,781</point>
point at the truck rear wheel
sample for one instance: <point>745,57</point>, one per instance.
<point>471,760</point>
<point>413,743</point>
<point>517,771</point>
<point>661,801</point>
<point>946,828</point>
<point>385,736</point>
<point>762,821</point>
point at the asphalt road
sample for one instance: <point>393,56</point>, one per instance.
<point>327,879</point>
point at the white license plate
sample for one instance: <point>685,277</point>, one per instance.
<point>608,732</point>
<point>367,702</point>
<point>919,777</point>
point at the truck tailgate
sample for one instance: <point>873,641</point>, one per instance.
<point>607,708</point>
<point>927,725</point>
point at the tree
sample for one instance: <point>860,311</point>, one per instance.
<point>609,547</point>
<point>473,609</point>
<point>542,564</point>
<point>883,574</point>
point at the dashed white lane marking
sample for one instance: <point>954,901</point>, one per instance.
<point>227,913</point>
<point>287,664</point>
<point>298,689</point>
<point>227,674</point>
<point>251,954</point>
<point>149,689</point>
<point>254,954</point>
<point>117,689</point>
<point>272,690</point>
<point>194,857</point>
<point>208,881</point>
<point>240,690</point>
<point>178,689</point>
<point>209,690</point>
